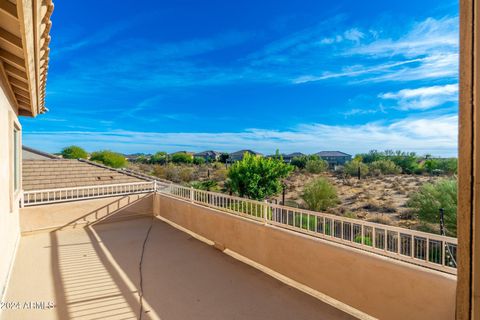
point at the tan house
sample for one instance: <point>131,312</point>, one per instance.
<point>24,39</point>
<point>82,241</point>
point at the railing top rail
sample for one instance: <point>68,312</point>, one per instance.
<point>367,223</point>
<point>90,187</point>
<point>333,216</point>
<point>231,197</point>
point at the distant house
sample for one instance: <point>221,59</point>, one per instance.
<point>288,157</point>
<point>238,155</point>
<point>34,154</point>
<point>334,158</point>
<point>208,155</point>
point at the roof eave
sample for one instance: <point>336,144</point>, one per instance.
<point>25,64</point>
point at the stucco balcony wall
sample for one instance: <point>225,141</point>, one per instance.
<point>74,214</point>
<point>381,287</point>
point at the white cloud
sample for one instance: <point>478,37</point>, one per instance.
<point>436,136</point>
<point>429,50</point>
<point>423,98</point>
<point>353,34</point>
<point>426,37</point>
<point>355,71</point>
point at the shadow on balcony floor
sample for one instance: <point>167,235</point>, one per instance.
<point>93,273</point>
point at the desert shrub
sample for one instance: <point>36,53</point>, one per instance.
<point>384,167</point>
<point>319,195</point>
<point>349,214</point>
<point>145,168</point>
<point>257,177</point>
<point>220,174</point>
<point>186,174</point>
<point>182,157</point>
<point>159,171</point>
<point>316,166</point>
<point>407,215</point>
<point>142,159</point>
<point>109,158</point>
<point>291,203</point>
<point>171,173</point>
<point>218,165</point>
<point>372,205</point>
<point>159,158</point>
<point>208,185</point>
<point>198,161</point>
<point>431,197</point>
<point>174,173</point>
<point>351,168</point>
<point>74,152</point>
<point>380,218</point>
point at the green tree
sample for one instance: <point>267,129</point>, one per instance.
<point>74,152</point>
<point>431,197</point>
<point>408,161</point>
<point>431,165</point>
<point>257,177</point>
<point>316,166</point>
<point>320,195</point>
<point>351,168</point>
<point>449,165</point>
<point>223,158</point>
<point>182,157</point>
<point>301,161</point>
<point>371,156</point>
<point>160,157</point>
<point>109,158</point>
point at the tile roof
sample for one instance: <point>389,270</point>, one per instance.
<point>206,153</point>
<point>66,173</point>
<point>332,154</point>
<point>241,152</point>
<point>34,154</point>
<point>295,154</point>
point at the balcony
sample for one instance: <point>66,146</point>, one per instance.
<point>152,250</point>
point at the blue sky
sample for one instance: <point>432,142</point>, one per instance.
<point>264,75</point>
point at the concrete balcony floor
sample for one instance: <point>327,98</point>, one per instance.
<point>93,273</point>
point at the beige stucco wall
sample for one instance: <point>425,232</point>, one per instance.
<point>9,230</point>
<point>80,213</point>
<point>381,287</point>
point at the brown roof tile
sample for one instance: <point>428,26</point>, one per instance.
<point>63,173</point>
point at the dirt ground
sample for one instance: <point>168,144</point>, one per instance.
<point>377,199</point>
